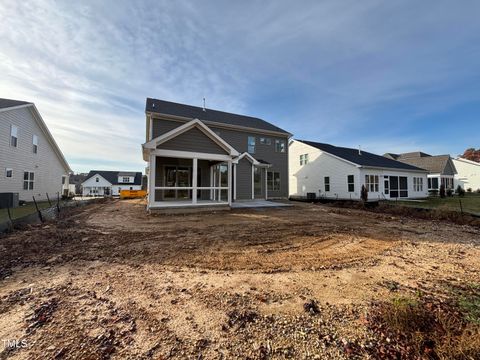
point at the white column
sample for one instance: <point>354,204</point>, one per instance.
<point>253,185</point>
<point>151,181</point>
<point>229,173</point>
<point>234,181</point>
<point>266,184</point>
<point>194,181</point>
<point>212,192</point>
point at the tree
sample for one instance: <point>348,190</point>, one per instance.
<point>364,193</point>
<point>472,154</point>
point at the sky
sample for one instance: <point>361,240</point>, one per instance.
<point>389,76</point>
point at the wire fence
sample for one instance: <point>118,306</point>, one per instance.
<point>38,211</point>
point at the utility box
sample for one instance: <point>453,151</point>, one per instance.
<point>311,196</point>
<point>8,200</point>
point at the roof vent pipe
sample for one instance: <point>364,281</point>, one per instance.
<point>359,150</point>
<point>204,105</point>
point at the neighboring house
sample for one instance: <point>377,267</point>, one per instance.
<point>31,163</point>
<point>199,156</point>
<point>339,173</point>
<point>441,170</point>
<point>110,183</point>
<point>468,174</point>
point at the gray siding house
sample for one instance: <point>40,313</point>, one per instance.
<point>31,163</point>
<point>203,157</point>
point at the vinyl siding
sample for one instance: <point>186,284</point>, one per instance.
<point>244,180</point>
<point>468,174</point>
<point>160,126</point>
<point>193,140</point>
<point>45,164</point>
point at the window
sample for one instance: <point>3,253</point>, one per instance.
<point>371,183</point>
<point>327,183</point>
<point>303,159</point>
<point>63,180</point>
<point>417,184</point>
<point>351,183</point>
<point>97,180</point>
<point>433,183</point>
<point>280,146</point>
<point>8,173</point>
<point>251,144</point>
<point>35,144</point>
<point>13,136</point>
<point>265,141</point>
<point>273,181</point>
<point>28,179</point>
<point>126,179</point>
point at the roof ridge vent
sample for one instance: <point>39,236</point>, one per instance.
<point>204,105</point>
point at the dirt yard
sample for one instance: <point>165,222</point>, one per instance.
<point>109,281</point>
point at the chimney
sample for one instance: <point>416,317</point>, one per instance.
<point>359,150</point>
<point>204,105</point>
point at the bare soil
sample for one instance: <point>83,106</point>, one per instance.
<point>110,281</point>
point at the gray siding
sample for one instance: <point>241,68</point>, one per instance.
<point>45,164</point>
<point>244,180</point>
<point>238,140</point>
<point>260,193</point>
<point>449,168</point>
<point>193,140</point>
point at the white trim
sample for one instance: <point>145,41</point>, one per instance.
<point>266,184</point>
<point>152,144</point>
<point>229,182</point>
<point>190,155</point>
<point>234,181</point>
<point>151,179</point>
<point>194,180</point>
<point>253,182</point>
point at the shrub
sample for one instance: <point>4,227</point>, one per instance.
<point>442,191</point>
<point>460,191</point>
<point>364,193</point>
<point>433,192</point>
<point>449,192</point>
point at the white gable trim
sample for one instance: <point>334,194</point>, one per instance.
<point>152,144</point>
<point>93,178</point>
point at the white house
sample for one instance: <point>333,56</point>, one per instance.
<point>468,174</point>
<point>110,183</point>
<point>31,163</point>
<point>339,173</point>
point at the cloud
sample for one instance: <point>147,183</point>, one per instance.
<point>348,72</point>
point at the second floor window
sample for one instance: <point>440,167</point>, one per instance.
<point>327,183</point>
<point>13,136</point>
<point>126,179</point>
<point>280,146</point>
<point>303,159</point>
<point>265,141</point>
<point>8,173</point>
<point>251,144</point>
<point>97,180</point>
<point>35,144</point>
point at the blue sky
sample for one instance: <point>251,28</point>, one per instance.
<point>387,75</point>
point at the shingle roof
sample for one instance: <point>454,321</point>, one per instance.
<point>434,164</point>
<point>363,158</point>
<point>7,103</point>
<point>112,176</point>
<point>194,112</point>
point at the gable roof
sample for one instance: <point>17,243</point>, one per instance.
<point>112,176</point>
<point>362,158</point>
<point>8,103</point>
<point>215,116</point>
<point>435,164</point>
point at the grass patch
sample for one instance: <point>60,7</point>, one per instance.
<point>22,211</point>
<point>428,328</point>
<point>470,203</point>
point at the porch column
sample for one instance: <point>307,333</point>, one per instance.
<point>253,181</point>
<point>266,184</point>
<point>194,181</point>
<point>229,182</point>
<point>212,183</point>
<point>234,182</point>
<point>151,180</point>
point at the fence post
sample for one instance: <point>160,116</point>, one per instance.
<point>38,211</point>
<point>10,217</point>
<point>461,207</point>
<point>58,202</point>
<point>50,203</point>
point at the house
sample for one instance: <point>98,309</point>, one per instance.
<point>31,163</point>
<point>441,170</point>
<point>76,180</point>
<point>204,157</point>
<point>337,172</point>
<point>110,183</point>
<point>468,174</point>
